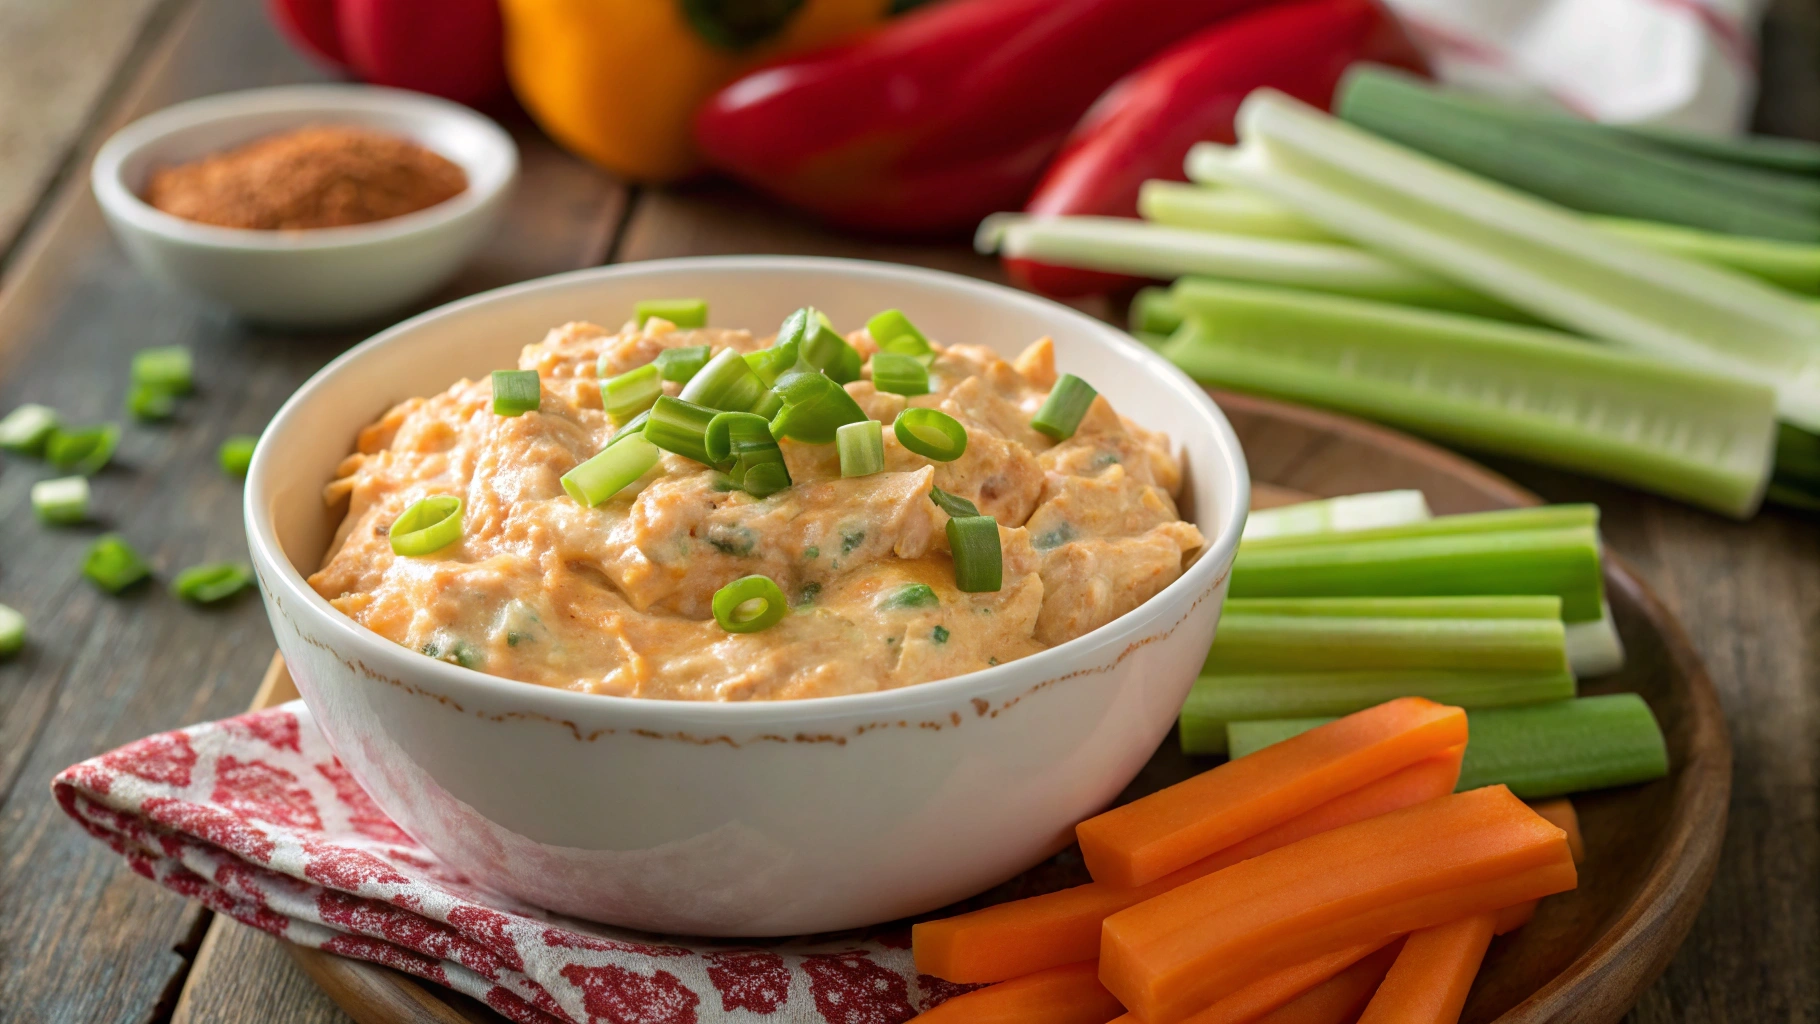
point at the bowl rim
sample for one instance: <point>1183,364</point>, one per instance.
<point>108,181</point>
<point>1201,576</point>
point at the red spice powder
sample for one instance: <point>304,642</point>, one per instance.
<point>314,177</point>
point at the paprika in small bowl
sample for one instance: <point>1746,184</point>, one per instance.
<point>160,185</point>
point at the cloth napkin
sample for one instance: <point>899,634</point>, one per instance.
<point>254,817</point>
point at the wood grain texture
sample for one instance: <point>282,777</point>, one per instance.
<point>85,940</point>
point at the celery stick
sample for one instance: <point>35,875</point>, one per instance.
<point>1594,648</point>
<point>1791,265</point>
<point>1534,255</point>
<point>1121,245</point>
<point>1234,211</point>
<point>1154,312</point>
<point>1252,644</point>
<point>1564,562</point>
<point>1529,607</point>
<point>1798,155</point>
<point>1339,515</point>
<point>1691,434</point>
<point>1535,517</point>
<point>1217,700</point>
<point>1539,750</point>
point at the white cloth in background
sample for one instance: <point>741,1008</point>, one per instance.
<point>1690,64</point>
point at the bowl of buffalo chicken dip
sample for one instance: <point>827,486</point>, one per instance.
<point>747,595</point>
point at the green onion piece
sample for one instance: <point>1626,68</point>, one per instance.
<point>1062,411</point>
<point>819,345</point>
<point>516,392</point>
<point>899,374</point>
<point>12,632</point>
<point>635,427</point>
<point>113,564</point>
<point>631,393</point>
<point>763,477</point>
<point>681,364</point>
<point>612,470</point>
<point>428,526</point>
<point>85,450</point>
<point>743,442</point>
<point>910,595</point>
<point>771,363</point>
<point>63,500</point>
<point>236,453</point>
<point>681,427</point>
<point>769,405</point>
<point>726,427</point>
<point>681,312</point>
<point>149,402</point>
<point>862,448</point>
<point>931,433</point>
<point>956,506</point>
<point>749,604</point>
<point>815,407</point>
<point>206,584</point>
<point>978,560</point>
<point>725,382</point>
<point>27,428</point>
<point>894,332</point>
<point>166,367</point>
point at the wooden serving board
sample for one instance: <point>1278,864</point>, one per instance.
<point>1651,849</point>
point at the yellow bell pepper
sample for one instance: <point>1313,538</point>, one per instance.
<point>618,81</point>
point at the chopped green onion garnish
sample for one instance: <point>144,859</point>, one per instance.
<point>814,407</point>
<point>681,364</point>
<point>150,402</point>
<point>862,447</point>
<point>978,560</point>
<point>749,604</point>
<point>742,441</point>
<point>631,393</point>
<point>236,453</point>
<point>428,526</point>
<point>166,367</point>
<point>956,506</point>
<point>681,312</point>
<point>1061,413</point>
<point>809,334</point>
<point>612,470</point>
<point>681,427</point>
<point>725,383</point>
<point>911,595</point>
<point>931,433</point>
<point>12,632</point>
<point>633,428</point>
<point>769,405</point>
<point>899,374</point>
<point>113,564</point>
<point>26,428</point>
<point>516,392</point>
<point>63,500</point>
<point>771,363</point>
<point>894,332</point>
<point>206,584</point>
<point>85,450</point>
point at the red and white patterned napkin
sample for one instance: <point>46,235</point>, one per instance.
<point>255,817</point>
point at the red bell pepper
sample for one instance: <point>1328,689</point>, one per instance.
<point>941,117</point>
<point>1144,125</point>
<point>448,48</point>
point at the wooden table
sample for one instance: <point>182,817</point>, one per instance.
<point>84,940</point>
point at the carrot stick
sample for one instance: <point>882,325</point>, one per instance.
<point>1460,855</point>
<point>1029,935</point>
<point>1338,999</point>
<point>1071,994</point>
<point>1430,979</point>
<point>1282,987</point>
<point>1172,828</point>
<point>1561,814</point>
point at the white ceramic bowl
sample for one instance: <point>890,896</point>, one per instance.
<point>763,818</point>
<point>319,278</point>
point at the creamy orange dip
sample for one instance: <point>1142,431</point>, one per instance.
<point>615,599</point>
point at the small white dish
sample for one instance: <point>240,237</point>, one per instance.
<point>761,818</point>
<point>319,278</point>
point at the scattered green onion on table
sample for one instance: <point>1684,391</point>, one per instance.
<point>236,454</point>
<point>84,450</point>
<point>112,564</point>
<point>61,501</point>
<point>168,368</point>
<point>208,584</point>
<point>12,632</point>
<point>26,429</point>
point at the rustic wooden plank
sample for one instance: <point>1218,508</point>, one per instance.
<point>57,62</point>
<point>86,940</point>
<point>254,980</point>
